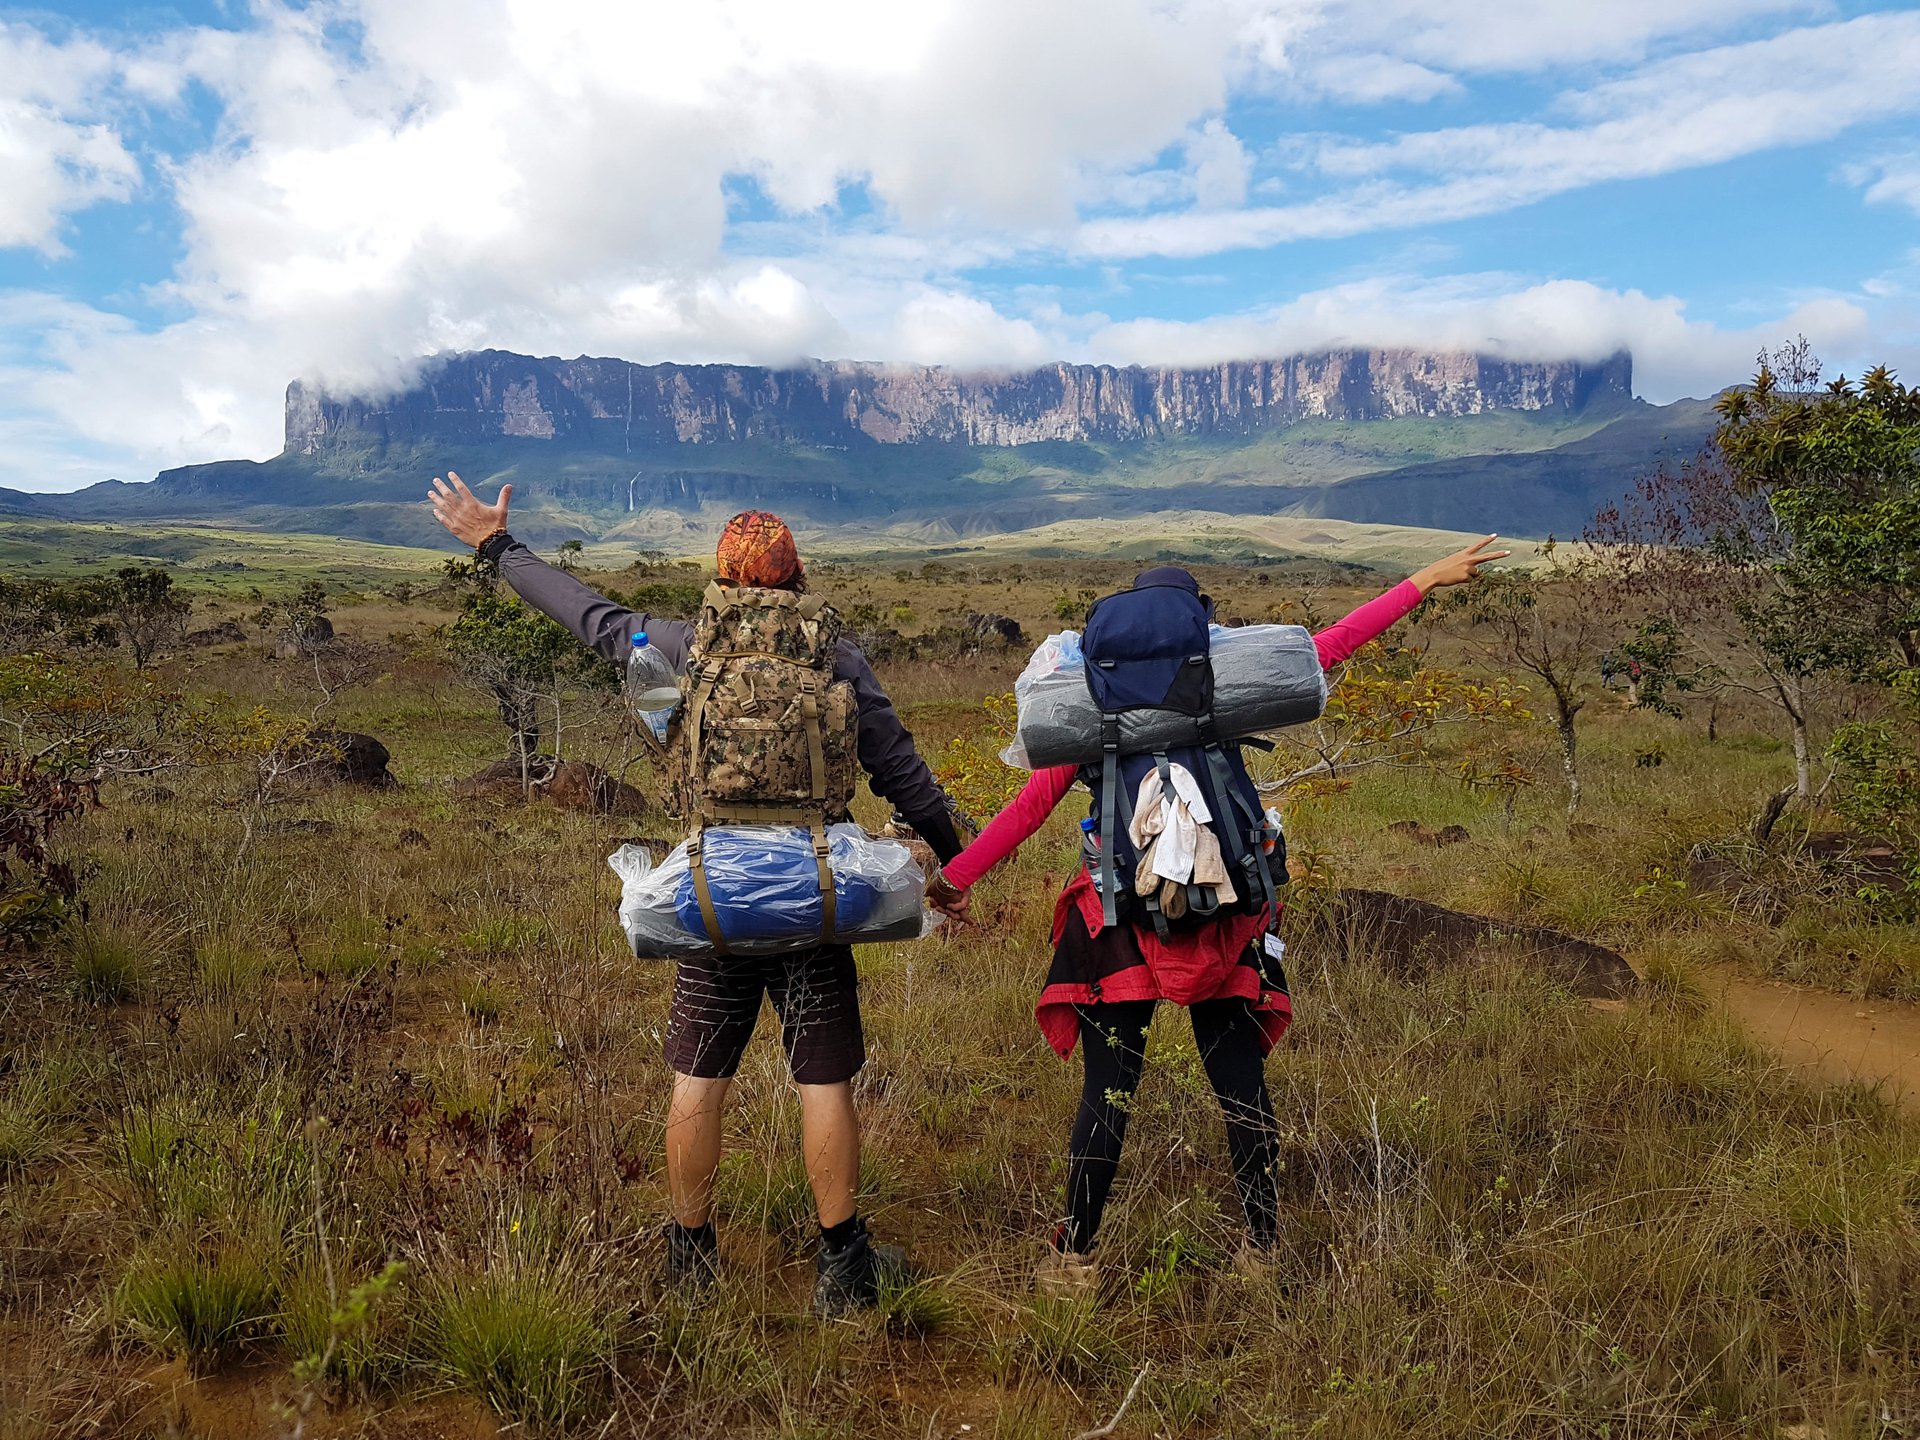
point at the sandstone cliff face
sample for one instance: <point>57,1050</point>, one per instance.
<point>617,405</point>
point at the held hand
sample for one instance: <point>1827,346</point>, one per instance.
<point>460,510</point>
<point>950,901</point>
<point>1459,567</point>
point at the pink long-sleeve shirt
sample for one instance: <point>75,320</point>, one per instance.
<point>1029,810</point>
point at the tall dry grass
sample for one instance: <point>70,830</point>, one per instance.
<point>1506,1212</point>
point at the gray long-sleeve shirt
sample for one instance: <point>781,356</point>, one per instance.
<point>894,768</point>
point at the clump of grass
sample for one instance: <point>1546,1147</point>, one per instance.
<point>108,964</point>
<point>35,1109</point>
<point>29,1129</point>
<point>502,937</point>
<point>350,1339</point>
<point>226,967</point>
<point>352,951</point>
<point>199,1308</point>
<point>1068,1338</point>
<point>526,1339</point>
<point>920,1309</point>
<point>480,999</point>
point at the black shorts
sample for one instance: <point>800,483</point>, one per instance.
<point>816,994</point>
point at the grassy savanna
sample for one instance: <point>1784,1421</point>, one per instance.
<point>294,1035</point>
<point>227,563</point>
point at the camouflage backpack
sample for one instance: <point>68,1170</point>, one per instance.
<point>769,737</point>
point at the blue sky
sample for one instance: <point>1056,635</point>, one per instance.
<point>201,201</point>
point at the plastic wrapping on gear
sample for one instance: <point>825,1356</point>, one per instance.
<point>1265,677</point>
<point>766,892</point>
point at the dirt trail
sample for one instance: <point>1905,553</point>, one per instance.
<point>1834,1036</point>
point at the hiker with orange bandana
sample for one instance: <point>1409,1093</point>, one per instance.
<point>716,999</point>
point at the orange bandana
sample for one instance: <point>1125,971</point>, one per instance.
<point>757,548</point>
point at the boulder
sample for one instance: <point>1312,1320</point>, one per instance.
<point>1413,936</point>
<point>225,633</point>
<point>1420,835</point>
<point>1001,628</point>
<point>570,784</point>
<point>1873,859</point>
<point>303,638</point>
<point>344,755</point>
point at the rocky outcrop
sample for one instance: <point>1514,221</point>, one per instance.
<point>618,406</point>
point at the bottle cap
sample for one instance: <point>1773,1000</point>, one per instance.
<point>639,638</point>
<point>1088,825</point>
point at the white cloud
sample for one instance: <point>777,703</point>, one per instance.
<point>1372,79</point>
<point>1220,166</point>
<point>1499,315</point>
<point>1677,114</point>
<point>1541,35</point>
<point>57,156</point>
<point>1894,180</point>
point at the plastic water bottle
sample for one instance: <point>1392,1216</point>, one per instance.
<point>653,692</point>
<point>1090,848</point>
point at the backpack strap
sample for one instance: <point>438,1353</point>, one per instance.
<point>697,711</point>
<point>816,742</point>
<point>1109,818</point>
<point>822,862</point>
<point>703,892</point>
<point>1255,863</point>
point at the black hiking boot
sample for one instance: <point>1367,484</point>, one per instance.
<point>693,1257</point>
<point>850,1278</point>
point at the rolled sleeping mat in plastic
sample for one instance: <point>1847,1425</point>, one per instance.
<point>1265,677</point>
<point>765,885</point>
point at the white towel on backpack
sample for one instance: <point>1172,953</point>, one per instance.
<point>1170,834</point>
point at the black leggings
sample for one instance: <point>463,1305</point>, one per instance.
<point>1113,1047</point>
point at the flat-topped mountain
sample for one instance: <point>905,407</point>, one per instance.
<point>619,406</point>
<point>919,456</point>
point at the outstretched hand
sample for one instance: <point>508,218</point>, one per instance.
<point>460,510</point>
<point>1459,567</point>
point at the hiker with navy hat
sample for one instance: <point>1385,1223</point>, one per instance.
<point>1177,900</point>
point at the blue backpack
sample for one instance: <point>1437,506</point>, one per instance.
<point>1149,648</point>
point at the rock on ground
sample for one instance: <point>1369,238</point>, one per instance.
<point>1413,936</point>
<point>345,755</point>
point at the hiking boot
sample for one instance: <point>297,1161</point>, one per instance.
<point>1067,1274</point>
<point>693,1257</point>
<point>850,1278</point>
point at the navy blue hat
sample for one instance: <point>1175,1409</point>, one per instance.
<point>1176,578</point>
<point>1167,575</point>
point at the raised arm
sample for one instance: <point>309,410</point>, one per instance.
<point>596,621</point>
<point>1340,640</point>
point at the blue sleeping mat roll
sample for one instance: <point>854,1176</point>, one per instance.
<point>766,885</point>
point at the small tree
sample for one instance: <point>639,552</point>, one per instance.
<point>1550,624</point>
<point>1787,553</point>
<point>145,610</point>
<point>570,552</point>
<point>525,661</point>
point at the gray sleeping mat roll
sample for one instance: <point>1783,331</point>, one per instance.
<point>1265,677</point>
